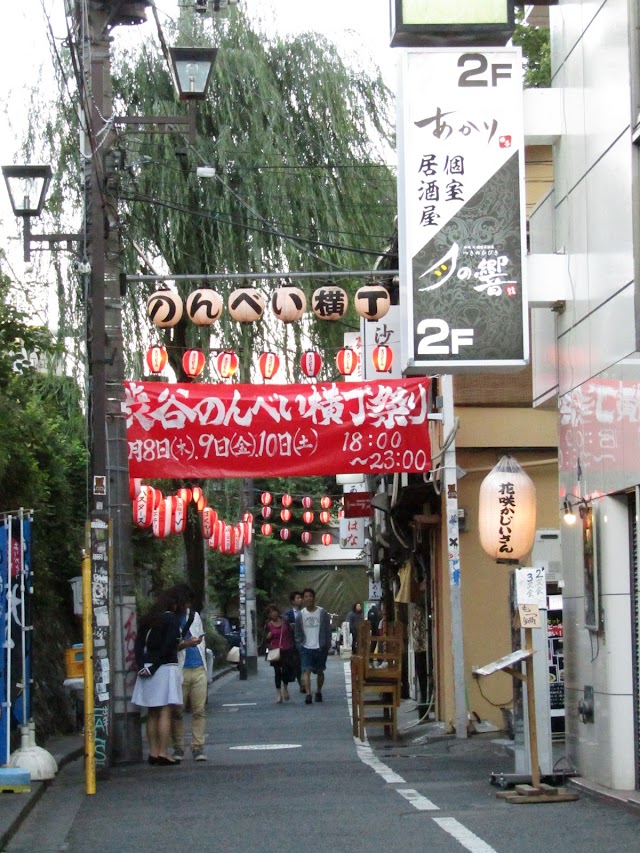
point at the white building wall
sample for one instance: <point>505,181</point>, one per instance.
<point>592,226</point>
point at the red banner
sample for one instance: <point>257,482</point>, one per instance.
<point>228,430</point>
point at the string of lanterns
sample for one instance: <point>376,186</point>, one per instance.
<point>168,515</point>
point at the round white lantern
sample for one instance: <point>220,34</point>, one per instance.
<point>204,307</point>
<point>164,308</point>
<point>372,301</point>
<point>246,305</point>
<point>507,512</point>
<point>288,303</point>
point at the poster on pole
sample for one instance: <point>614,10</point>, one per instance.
<point>461,210</point>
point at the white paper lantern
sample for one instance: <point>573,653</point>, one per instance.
<point>507,512</point>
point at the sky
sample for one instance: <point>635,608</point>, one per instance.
<point>360,26</point>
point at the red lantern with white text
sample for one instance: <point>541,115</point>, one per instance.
<point>382,358</point>
<point>310,363</point>
<point>156,359</point>
<point>268,364</point>
<point>327,539</point>
<point>207,519</point>
<point>193,362</point>
<point>226,363</point>
<point>346,361</point>
<point>305,536</point>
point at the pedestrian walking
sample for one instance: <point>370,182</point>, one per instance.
<point>313,639</point>
<point>158,686</point>
<point>279,638</point>
<point>295,599</point>
<point>354,619</point>
<point>192,660</point>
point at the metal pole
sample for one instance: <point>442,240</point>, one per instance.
<point>250,589</point>
<point>87,651</point>
<point>452,532</point>
<point>234,276</point>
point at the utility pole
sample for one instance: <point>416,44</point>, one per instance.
<point>117,723</point>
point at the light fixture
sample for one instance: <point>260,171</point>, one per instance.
<point>191,69</point>
<point>569,517</point>
<point>568,506</point>
<point>27,187</point>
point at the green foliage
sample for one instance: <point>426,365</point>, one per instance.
<point>534,42</point>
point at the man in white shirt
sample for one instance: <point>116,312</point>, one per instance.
<point>313,640</point>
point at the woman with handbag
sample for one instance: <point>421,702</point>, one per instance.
<point>281,651</point>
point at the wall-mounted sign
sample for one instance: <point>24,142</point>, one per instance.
<point>433,23</point>
<point>461,205</point>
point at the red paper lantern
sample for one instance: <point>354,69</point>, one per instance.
<point>207,519</point>
<point>285,514</point>
<point>185,494</point>
<point>155,495</point>
<point>285,533</point>
<point>134,487</point>
<point>346,361</point>
<point>217,534</point>
<point>161,523</point>
<point>326,502</point>
<point>382,358</point>
<point>266,498</point>
<point>248,517</point>
<point>247,532</point>
<point>193,362</point>
<point>310,363</point>
<point>327,539</point>
<point>306,537</point>
<point>227,540</point>
<point>226,363</point>
<point>156,359</point>
<point>287,500</point>
<point>268,364</point>
<point>143,509</point>
<point>238,538</point>
<point>198,498</point>
<point>178,514</point>
<point>307,517</point>
<point>267,529</point>
<point>307,502</point>
<point>266,512</point>
<point>325,517</point>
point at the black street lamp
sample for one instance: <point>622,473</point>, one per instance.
<point>27,187</point>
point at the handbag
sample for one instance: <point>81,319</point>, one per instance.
<point>233,655</point>
<point>273,655</point>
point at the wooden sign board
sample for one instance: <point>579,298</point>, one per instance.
<point>503,663</point>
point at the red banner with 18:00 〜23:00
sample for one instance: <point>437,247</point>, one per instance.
<point>229,430</point>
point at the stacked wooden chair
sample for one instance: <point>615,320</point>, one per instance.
<point>376,678</point>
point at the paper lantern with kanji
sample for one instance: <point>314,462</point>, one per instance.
<point>266,529</point>
<point>161,523</point>
<point>507,512</point>
<point>156,359</point>
<point>208,518</point>
<point>327,539</point>
<point>288,304</point>
<point>325,516</point>
<point>329,302</point>
<point>164,308</point>
<point>217,534</point>
<point>346,361</point>
<point>285,514</point>
<point>307,517</point>
<point>228,541</point>
<point>266,512</point>
<point>382,358</point>
<point>155,495</point>
<point>310,363</point>
<point>268,364</point>
<point>135,484</point>
<point>305,536</point>
<point>307,502</point>
<point>204,306</point>
<point>178,514</point>
<point>226,363</point>
<point>372,301</point>
<point>143,509</point>
<point>285,533</point>
<point>326,502</point>
<point>247,531</point>
<point>287,500</point>
<point>193,362</point>
<point>266,498</point>
<point>246,305</point>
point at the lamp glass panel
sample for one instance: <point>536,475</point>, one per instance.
<point>25,193</point>
<point>437,12</point>
<point>192,75</point>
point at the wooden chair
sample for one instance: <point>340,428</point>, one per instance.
<point>369,697</point>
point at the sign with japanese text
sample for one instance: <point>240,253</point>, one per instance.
<point>387,331</point>
<point>357,505</point>
<point>352,532</point>
<point>529,616</point>
<point>531,587</point>
<point>461,206</point>
<point>229,430</point>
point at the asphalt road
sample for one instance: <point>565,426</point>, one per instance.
<point>290,777</point>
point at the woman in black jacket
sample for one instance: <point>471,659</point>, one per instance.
<point>159,684</point>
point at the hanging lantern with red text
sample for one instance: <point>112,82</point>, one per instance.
<point>327,539</point>
<point>382,358</point>
<point>268,364</point>
<point>310,363</point>
<point>226,363</point>
<point>156,359</point>
<point>193,362</point>
<point>346,361</point>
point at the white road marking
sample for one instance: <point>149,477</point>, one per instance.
<point>238,704</point>
<point>463,835</point>
<point>365,754</point>
<point>259,746</point>
<point>422,804</point>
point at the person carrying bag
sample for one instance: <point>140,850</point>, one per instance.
<point>281,651</point>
